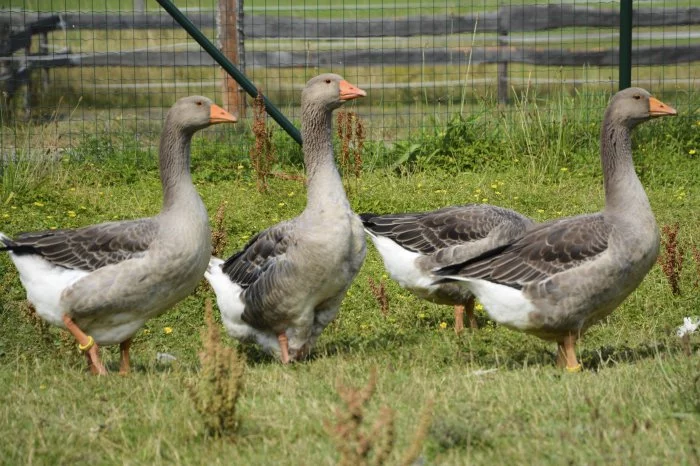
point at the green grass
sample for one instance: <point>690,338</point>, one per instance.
<point>636,402</point>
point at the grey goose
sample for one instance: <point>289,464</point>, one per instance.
<point>413,244</point>
<point>564,275</point>
<point>286,285</point>
<point>103,282</point>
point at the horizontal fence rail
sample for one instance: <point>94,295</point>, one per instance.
<point>428,56</point>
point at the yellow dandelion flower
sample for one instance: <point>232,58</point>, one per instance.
<point>5,215</point>
<point>479,307</point>
<point>540,211</point>
<point>516,198</point>
<point>281,204</point>
<point>498,193</point>
<point>486,199</point>
<point>101,193</point>
<point>239,167</point>
<point>39,204</point>
<point>443,325</point>
<point>42,386</point>
<point>82,207</point>
<point>291,194</point>
<point>564,169</point>
<point>385,276</point>
<point>421,315</point>
<point>477,190</point>
<point>146,331</point>
<point>245,237</point>
<point>71,213</point>
<point>691,151</point>
<point>49,217</point>
<point>494,186</point>
<point>167,330</point>
<point>72,189</point>
<point>420,185</point>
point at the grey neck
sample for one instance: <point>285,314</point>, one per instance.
<point>174,160</point>
<point>624,193</point>
<point>324,185</point>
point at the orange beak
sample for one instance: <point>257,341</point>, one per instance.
<point>659,109</point>
<point>349,92</point>
<point>219,115</point>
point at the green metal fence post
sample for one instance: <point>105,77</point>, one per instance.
<point>226,64</point>
<point>625,73</point>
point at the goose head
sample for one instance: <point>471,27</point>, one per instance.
<point>193,113</point>
<point>330,91</point>
<point>635,105</point>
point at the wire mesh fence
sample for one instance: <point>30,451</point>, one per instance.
<point>75,68</point>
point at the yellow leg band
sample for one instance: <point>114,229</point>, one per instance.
<point>88,345</point>
<point>576,368</point>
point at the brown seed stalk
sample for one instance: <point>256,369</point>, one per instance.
<point>671,258</point>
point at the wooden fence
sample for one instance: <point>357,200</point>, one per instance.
<point>503,22</point>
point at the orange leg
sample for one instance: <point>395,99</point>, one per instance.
<point>124,365</point>
<point>566,354</point>
<point>86,344</point>
<point>459,319</point>
<point>284,347</point>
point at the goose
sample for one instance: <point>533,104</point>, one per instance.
<point>286,285</point>
<point>564,275</point>
<point>103,282</point>
<point>412,245</point>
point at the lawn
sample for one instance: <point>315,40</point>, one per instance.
<point>494,394</point>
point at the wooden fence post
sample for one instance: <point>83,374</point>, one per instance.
<point>230,37</point>
<point>503,51</point>
<point>625,57</point>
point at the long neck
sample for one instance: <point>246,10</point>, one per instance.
<point>324,186</point>
<point>174,160</point>
<point>624,193</point>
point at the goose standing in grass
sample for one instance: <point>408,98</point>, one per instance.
<point>287,283</point>
<point>103,282</point>
<point>563,276</point>
<point>414,244</point>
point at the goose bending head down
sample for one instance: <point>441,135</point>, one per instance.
<point>103,282</point>
<point>564,275</point>
<point>412,245</point>
<point>286,285</point>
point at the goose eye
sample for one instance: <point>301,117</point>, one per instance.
<point>328,81</point>
<point>199,103</point>
<point>637,96</point>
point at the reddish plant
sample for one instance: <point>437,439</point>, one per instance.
<point>351,132</point>
<point>379,292</point>
<point>262,154</point>
<point>671,257</point>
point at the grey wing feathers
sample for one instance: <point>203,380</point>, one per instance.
<point>88,248</point>
<point>261,252</point>
<point>428,232</point>
<point>543,251</point>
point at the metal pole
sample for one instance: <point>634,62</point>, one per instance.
<point>229,67</point>
<point>625,72</point>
